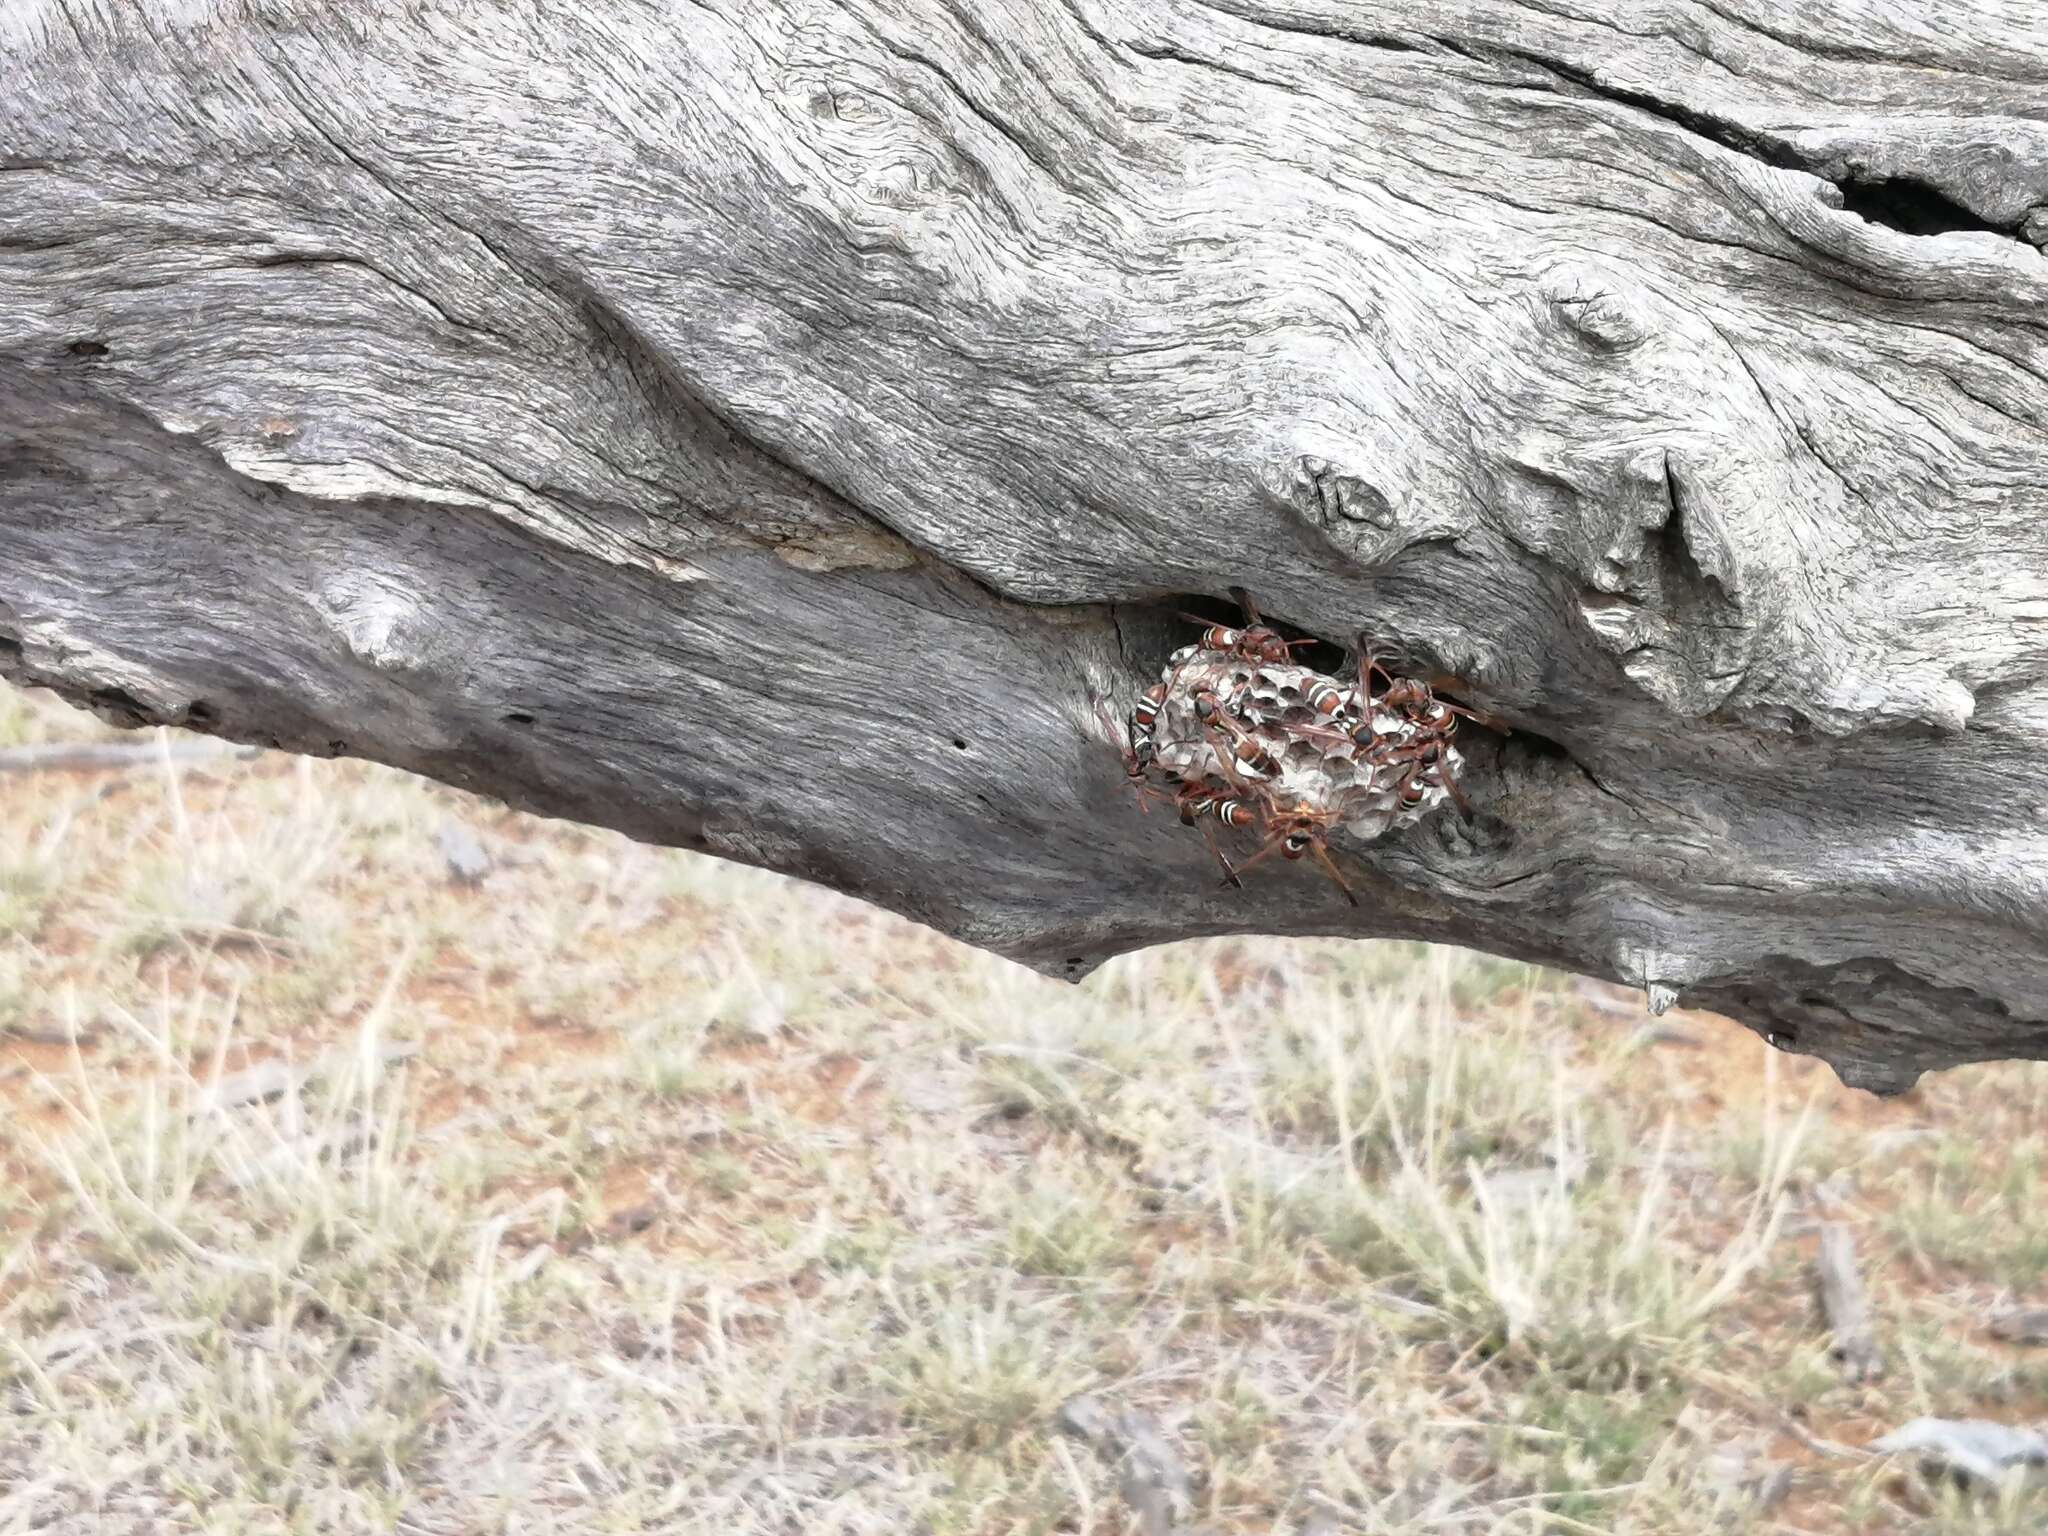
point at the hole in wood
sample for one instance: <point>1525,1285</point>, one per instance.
<point>1909,206</point>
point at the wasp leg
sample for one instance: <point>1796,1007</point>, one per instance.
<point>1273,846</point>
<point>1229,874</point>
<point>1323,858</point>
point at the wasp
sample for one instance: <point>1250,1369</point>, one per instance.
<point>1200,801</point>
<point>1138,747</point>
<point>1417,747</point>
<point>1145,721</point>
<point>1255,641</point>
<point>1424,766</point>
<point>1329,699</point>
<point>1293,830</point>
<point>1411,699</point>
<point>1250,755</point>
<point>1297,832</point>
<point>1421,762</point>
<point>1220,804</point>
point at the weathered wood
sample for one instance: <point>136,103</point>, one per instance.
<point>769,426</point>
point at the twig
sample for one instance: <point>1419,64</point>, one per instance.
<point>1847,1305</point>
<point>1821,1447</point>
<point>48,1034</point>
<point>64,756</point>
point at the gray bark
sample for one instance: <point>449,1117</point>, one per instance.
<point>769,428</point>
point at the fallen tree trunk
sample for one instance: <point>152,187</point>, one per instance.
<point>771,429</point>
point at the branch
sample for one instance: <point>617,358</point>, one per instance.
<point>787,432</point>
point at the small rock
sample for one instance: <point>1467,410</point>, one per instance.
<point>635,1218</point>
<point>1508,1188</point>
<point>266,1080</point>
<point>2021,1325</point>
<point>274,1078</point>
<point>1084,1418</point>
<point>1739,1472</point>
<point>1155,1482</point>
<point>1835,1190</point>
<point>1657,1033</point>
<point>1598,997</point>
<point>467,861</point>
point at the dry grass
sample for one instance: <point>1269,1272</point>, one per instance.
<point>705,1201</point>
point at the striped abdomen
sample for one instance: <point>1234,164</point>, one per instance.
<point>1326,698</point>
<point>1252,756</point>
<point>1232,813</point>
<point>1144,718</point>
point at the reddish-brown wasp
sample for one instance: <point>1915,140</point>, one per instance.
<point>1256,641</point>
<point>1136,749</point>
<point>1292,830</point>
<point>1145,720</point>
<point>1432,722</point>
<point>1327,698</point>
<point>1410,698</point>
<point>1297,831</point>
<point>1422,767</point>
<point>1198,802</point>
<point>1247,753</point>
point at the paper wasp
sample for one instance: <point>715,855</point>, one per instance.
<point>1247,753</point>
<point>1423,750</point>
<point>1293,830</point>
<point>1256,641</point>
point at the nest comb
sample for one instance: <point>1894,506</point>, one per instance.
<point>1316,766</point>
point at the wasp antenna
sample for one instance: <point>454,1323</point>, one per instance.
<point>1369,663</point>
<point>1328,735</point>
<point>1478,717</point>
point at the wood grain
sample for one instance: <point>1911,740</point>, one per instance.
<point>770,428</point>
